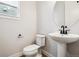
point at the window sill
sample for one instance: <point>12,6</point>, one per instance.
<point>9,17</point>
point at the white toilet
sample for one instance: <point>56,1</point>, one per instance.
<point>32,50</point>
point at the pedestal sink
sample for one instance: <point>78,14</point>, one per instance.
<point>62,40</point>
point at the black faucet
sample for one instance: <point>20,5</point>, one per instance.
<point>63,31</point>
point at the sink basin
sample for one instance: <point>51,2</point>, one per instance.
<point>64,38</point>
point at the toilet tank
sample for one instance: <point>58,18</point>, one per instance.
<point>40,40</point>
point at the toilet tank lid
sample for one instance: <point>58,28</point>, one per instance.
<point>40,35</point>
<point>31,47</point>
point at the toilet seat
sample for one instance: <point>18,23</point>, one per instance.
<point>31,47</point>
<point>31,50</point>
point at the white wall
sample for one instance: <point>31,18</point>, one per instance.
<point>46,23</point>
<point>45,17</point>
<point>10,28</point>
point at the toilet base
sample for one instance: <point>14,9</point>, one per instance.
<point>37,55</point>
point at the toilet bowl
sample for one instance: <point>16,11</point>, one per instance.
<point>32,50</point>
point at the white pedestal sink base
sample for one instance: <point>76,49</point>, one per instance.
<point>61,50</point>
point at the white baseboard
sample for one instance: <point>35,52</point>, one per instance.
<point>16,54</point>
<point>47,54</point>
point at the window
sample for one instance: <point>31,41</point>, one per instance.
<point>10,8</point>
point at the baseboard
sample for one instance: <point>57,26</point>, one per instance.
<point>18,54</point>
<point>74,55</point>
<point>47,54</point>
